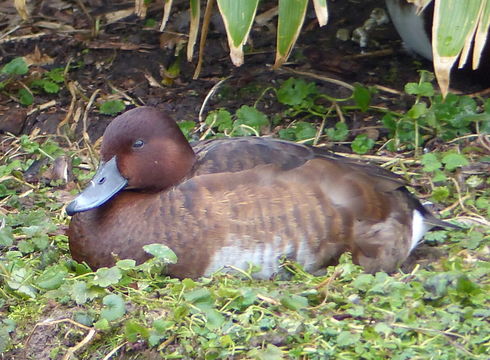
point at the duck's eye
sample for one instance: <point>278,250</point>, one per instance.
<point>138,144</point>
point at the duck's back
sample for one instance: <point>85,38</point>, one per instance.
<point>257,200</point>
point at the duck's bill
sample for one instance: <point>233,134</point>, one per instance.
<point>106,183</point>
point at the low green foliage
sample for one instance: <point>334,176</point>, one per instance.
<point>437,310</point>
<point>25,89</point>
<point>112,107</point>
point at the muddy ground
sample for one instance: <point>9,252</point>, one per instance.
<point>128,60</point>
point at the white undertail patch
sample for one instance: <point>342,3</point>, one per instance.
<point>419,228</point>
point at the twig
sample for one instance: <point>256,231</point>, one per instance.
<point>208,96</point>
<point>204,34</point>
<point>113,351</point>
<point>318,77</point>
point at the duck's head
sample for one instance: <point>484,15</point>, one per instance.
<point>142,149</point>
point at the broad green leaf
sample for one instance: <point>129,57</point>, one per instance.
<point>293,91</point>
<point>133,331</point>
<point>195,13</point>
<point>6,236</point>
<point>186,127</point>
<point>112,107</point>
<point>52,277</point>
<point>220,119</point>
<point>126,264</point>
<point>294,302</point>
<point>105,277</point>
<point>114,307</point>
<point>362,144</point>
<point>453,161</point>
<point>161,252</point>
<point>346,338</point>
<point>362,97</point>
<point>291,17</point>
<point>431,162</point>
<point>79,292</point>
<point>250,121</point>
<point>201,296</point>
<point>50,87</point>
<point>422,89</point>
<point>271,352</point>
<point>338,133</point>
<point>25,97</point>
<point>83,318</point>
<point>238,17</point>
<point>19,281</point>
<point>17,66</point>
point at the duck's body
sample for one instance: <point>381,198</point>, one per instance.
<point>249,200</point>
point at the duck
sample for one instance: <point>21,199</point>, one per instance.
<point>224,204</point>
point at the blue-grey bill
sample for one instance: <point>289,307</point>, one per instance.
<point>106,183</point>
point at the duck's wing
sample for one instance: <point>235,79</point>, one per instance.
<point>245,153</point>
<point>232,155</point>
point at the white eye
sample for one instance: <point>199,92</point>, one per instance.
<point>138,144</point>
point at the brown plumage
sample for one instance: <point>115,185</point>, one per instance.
<point>229,201</point>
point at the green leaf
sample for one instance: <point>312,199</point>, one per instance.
<point>383,328</point>
<point>339,133</point>
<point>161,252</point>
<point>17,66</point>
<point>220,119</point>
<point>186,127</point>
<point>440,194</point>
<point>105,277</point>
<point>83,318</point>
<point>26,247</point>
<point>6,236</point>
<point>126,264</point>
<point>102,324</point>
<point>299,131</point>
<point>133,331</point>
<point>201,295</point>
<point>271,352</point>
<point>362,97</point>
<point>293,91</point>
<point>214,319</point>
<point>346,338</point>
<point>79,292</point>
<point>114,307</point>
<point>50,87</point>
<point>25,97</point>
<point>439,176</point>
<point>362,144</point>
<point>422,89</point>
<point>465,286</point>
<point>453,161</point>
<point>52,277</point>
<point>112,107</point>
<point>474,240</point>
<point>252,119</point>
<point>294,302</point>
<point>417,110</point>
<point>431,162</point>
<point>57,75</point>
<point>18,281</point>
